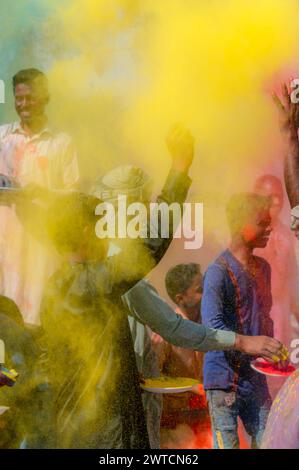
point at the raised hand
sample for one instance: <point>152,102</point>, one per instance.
<point>180,144</point>
<point>288,111</point>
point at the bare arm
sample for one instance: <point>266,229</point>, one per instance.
<point>291,170</point>
<point>289,124</point>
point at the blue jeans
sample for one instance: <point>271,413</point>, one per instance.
<point>225,408</point>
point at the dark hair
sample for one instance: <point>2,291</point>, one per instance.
<point>179,278</point>
<point>32,76</point>
<point>243,207</point>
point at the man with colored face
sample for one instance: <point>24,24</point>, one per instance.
<point>237,297</point>
<point>30,152</point>
<point>30,103</point>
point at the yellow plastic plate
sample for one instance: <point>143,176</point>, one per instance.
<point>165,384</point>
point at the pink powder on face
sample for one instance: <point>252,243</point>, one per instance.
<point>249,233</point>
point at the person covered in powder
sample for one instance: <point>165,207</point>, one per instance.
<point>143,255</point>
<point>134,184</point>
<point>280,254</point>
<point>237,297</point>
<point>31,151</point>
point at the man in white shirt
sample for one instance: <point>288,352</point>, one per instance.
<point>30,152</point>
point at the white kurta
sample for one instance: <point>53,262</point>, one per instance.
<point>48,159</point>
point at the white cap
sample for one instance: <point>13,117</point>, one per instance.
<point>124,179</point>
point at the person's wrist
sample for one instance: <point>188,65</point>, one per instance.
<point>238,346</point>
<point>181,166</point>
<point>292,134</point>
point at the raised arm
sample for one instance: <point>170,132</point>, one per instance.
<point>289,124</point>
<point>291,170</point>
<point>180,144</point>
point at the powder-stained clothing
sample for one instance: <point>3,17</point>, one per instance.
<point>227,407</point>
<point>225,281</point>
<point>282,430</point>
<point>92,374</point>
<point>237,300</point>
<point>49,160</point>
<point>91,363</point>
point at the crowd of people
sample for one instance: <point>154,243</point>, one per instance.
<point>83,326</point>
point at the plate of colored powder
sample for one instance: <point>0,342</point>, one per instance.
<point>166,384</point>
<point>269,368</point>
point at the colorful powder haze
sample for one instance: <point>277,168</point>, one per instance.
<point>121,72</point>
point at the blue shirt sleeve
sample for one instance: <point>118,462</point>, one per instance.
<point>212,304</point>
<point>267,325</point>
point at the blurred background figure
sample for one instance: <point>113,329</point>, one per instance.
<point>184,412</point>
<point>280,254</point>
<point>31,151</point>
<point>21,354</point>
<point>134,183</point>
